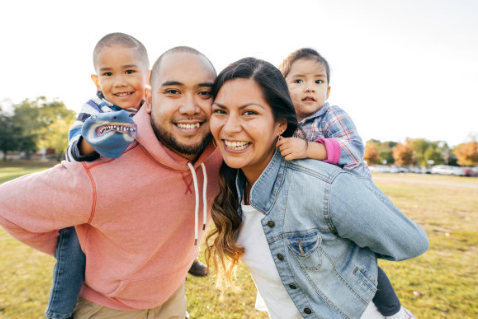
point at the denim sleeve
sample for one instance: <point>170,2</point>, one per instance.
<point>359,211</point>
<point>341,127</point>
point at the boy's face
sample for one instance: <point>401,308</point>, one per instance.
<point>180,102</point>
<point>308,86</point>
<point>121,76</point>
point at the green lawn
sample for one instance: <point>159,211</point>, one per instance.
<point>439,284</point>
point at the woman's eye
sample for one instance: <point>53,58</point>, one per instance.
<point>130,71</point>
<point>298,81</point>
<point>218,111</point>
<point>319,81</point>
<point>248,113</point>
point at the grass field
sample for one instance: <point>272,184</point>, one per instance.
<point>439,284</point>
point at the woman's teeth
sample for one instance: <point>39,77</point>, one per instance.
<point>236,145</point>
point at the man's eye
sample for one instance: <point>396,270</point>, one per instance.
<point>108,74</point>
<point>130,71</point>
<point>207,94</point>
<point>172,92</point>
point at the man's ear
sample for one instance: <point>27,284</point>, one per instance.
<point>95,79</point>
<point>147,98</point>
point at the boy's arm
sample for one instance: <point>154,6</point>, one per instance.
<point>78,149</point>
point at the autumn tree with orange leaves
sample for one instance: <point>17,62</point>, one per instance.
<point>467,154</point>
<point>371,153</point>
<point>403,154</point>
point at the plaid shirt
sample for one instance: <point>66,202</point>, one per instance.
<point>332,122</point>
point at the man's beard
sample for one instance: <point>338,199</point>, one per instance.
<point>169,141</point>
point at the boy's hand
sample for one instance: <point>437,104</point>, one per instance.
<point>109,133</point>
<point>292,148</point>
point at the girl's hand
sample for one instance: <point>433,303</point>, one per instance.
<point>292,148</point>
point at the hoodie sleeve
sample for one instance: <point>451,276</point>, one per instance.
<point>34,207</point>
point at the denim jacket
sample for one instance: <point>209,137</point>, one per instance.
<point>325,228</point>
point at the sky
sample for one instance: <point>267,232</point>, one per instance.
<point>400,68</point>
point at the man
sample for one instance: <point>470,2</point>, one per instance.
<point>136,216</point>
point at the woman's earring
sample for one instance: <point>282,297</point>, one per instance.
<point>280,134</point>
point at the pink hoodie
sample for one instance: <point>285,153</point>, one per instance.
<point>135,217</point>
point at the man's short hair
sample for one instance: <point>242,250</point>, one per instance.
<point>178,49</point>
<point>124,40</point>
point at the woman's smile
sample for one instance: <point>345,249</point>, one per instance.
<point>244,127</point>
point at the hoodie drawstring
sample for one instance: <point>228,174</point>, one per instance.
<point>196,194</point>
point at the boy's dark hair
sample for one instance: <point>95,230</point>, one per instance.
<point>178,49</point>
<point>304,53</point>
<point>125,40</point>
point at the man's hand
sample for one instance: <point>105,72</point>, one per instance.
<point>292,148</point>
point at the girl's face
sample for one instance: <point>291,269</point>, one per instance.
<point>308,86</point>
<point>244,127</point>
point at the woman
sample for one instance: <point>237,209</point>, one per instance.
<point>309,232</point>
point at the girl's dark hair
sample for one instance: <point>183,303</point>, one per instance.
<point>304,53</point>
<point>224,251</point>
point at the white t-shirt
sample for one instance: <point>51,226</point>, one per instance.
<point>272,296</point>
<point>258,259</point>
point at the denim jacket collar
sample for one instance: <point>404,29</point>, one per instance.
<point>267,185</point>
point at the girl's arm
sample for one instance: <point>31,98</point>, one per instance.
<point>338,126</point>
<point>327,150</point>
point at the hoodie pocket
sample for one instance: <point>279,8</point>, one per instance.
<point>305,248</point>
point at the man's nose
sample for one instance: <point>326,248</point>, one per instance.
<point>189,105</point>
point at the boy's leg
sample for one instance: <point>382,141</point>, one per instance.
<point>68,275</point>
<point>386,299</point>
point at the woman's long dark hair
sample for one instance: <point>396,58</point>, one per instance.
<point>224,251</point>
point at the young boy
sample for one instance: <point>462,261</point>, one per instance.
<point>103,127</point>
<point>307,75</point>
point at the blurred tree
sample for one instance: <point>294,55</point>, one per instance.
<point>37,118</point>
<point>9,135</point>
<point>26,116</point>
<point>371,153</point>
<point>434,153</point>
<point>386,156</point>
<point>56,137</point>
<point>403,154</point>
<point>419,147</point>
<point>467,154</point>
